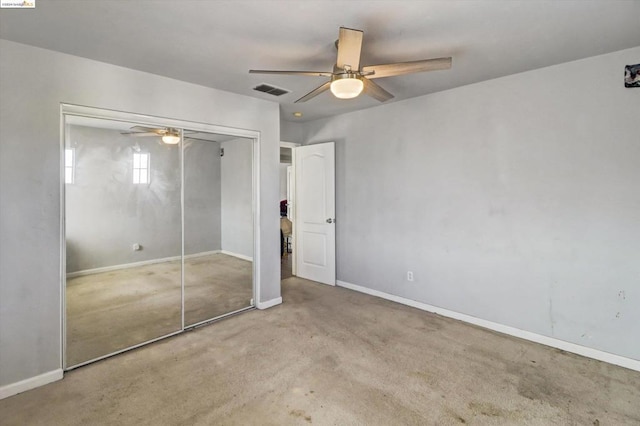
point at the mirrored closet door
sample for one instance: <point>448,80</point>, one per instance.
<point>123,238</point>
<point>218,227</point>
<point>132,275</point>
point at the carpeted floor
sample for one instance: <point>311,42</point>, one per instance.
<point>114,310</point>
<point>331,356</point>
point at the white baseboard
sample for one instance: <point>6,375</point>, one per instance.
<point>629,363</point>
<point>238,255</point>
<point>269,303</point>
<point>30,383</point>
<point>201,254</point>
<point>136,264</point>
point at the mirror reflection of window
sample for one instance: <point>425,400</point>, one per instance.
<point>69,166</point>
<point>140,167</point>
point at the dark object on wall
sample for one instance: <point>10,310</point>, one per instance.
<point>281,243</point>
<point>632,75</point>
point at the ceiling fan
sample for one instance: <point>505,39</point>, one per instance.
<point>348,79</point>
<point>169,135</point>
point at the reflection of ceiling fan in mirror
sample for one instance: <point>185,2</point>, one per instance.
<point>348,79</point>
<point>169,135</point>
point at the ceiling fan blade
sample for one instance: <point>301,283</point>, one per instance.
<point>400,68</point>
<point>314,92</point>
<point>140,134</point>
<point>372,89</point>
<point>146,129</point>
<point>309,73</point>
<point>349,46</point>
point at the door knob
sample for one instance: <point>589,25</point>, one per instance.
<point>331,220</point>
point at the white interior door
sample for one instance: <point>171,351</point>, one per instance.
<point>315,243</point>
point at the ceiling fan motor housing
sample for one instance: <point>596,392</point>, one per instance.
<point>346,85</point>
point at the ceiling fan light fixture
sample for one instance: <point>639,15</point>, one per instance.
<point>171,139</point>
<point>346,86</point>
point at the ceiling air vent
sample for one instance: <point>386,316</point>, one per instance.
<point>272,90</point>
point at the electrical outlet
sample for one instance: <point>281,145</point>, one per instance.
<point>409,276</point>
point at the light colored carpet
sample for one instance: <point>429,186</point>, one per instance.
<point>110,311</point>
<point>331,356</point>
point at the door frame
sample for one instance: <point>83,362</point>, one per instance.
<point>150,120</point>
<point>292,145</point>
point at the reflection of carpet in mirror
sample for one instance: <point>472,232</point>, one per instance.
<point>110,311</point>
<point>215,285</point>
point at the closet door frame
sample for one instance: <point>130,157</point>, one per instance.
<point>149,120</point>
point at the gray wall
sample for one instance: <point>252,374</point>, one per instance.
<point>30,305</point>
<point>514,200</point>
<point>292,131</point>
<point>237,204</point>
<point>106,213</point>
<point>202,211</point>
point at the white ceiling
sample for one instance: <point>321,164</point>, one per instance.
<point>214,43</point>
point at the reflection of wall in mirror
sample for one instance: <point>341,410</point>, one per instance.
<point>237,195</point>
<point>202,214</point>
<point>106,213</point>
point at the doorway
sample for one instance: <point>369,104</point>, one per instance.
<point>159,228</point>
<point>287,214</point>
<point>308,173</point>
